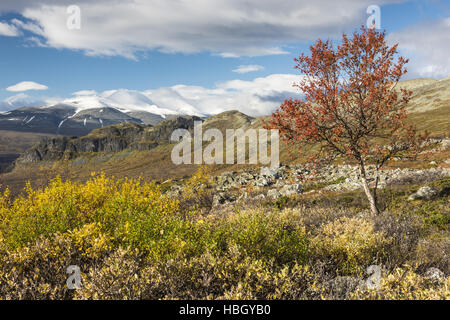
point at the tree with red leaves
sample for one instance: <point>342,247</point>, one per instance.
<point>351,107</point>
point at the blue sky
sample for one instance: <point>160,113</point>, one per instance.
<point>119,48</point>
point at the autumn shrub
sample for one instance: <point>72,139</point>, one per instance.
<point>198,191</point>
<point>405,284</point>
<point>230,275</point>
<point>131,211</point>
<point>433,252</point>
<point>39,270</point>
<point>129,231</point>
<point>351,244</point>
<point>404,233</point>
<point>264,234</point>
<point>122,275</point>
<point>131,241</point>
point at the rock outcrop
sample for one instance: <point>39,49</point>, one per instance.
<point>113,138</point>
<point>287,181</point>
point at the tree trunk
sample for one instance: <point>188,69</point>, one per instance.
<point>370,196</point>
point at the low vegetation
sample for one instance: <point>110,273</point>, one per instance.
<point>133,241</point>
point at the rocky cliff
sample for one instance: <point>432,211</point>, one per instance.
<point>114,138</point>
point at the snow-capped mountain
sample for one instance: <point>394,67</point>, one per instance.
<point>123,100</point>
<point>87,110</point>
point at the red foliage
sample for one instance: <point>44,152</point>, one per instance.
<point>351,106</point>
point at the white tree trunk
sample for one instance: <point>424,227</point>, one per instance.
<point>370,196</point>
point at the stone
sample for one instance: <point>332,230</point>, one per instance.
<point>274,194</point>
<point>222,198</point>
<point>426,193</point>
<point>270,172</point>
<point>260,197</point>
<point>434,274</point>
<point>262,182</point>
<point>291,189</point>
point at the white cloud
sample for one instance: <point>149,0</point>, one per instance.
<point>8,30</point>
<point>25,86</point>
<point>230,28</point>
<point>85,93</point>
<point>260,96</point>
<point>17,97</point>
<point>248,68</point>
<point>428,46</point>
<point>18,101</point>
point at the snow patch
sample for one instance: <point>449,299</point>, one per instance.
<point>30,119</point>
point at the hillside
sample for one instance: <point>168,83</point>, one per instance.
<point>133,149</point>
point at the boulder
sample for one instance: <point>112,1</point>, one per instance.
<point>434,274</point>
<point>222,198</point>
<point>426,193</point>
<point>262,182</point>
<point>291,189</point>
<point>274,194</point>
<point>260,197</point>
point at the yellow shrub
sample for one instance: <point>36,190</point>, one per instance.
<point>404,284</point>
<point>66,205</point>
<point>198,183</point>
<point>351,243</point>
<point>90,240</point>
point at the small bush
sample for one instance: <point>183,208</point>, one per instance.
<point>351,243</point>
<point>405,284</point>
<point>264,235</point>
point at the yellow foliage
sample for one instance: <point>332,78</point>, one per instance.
<point>351,242</point>
<point>405,284</point>
<point>198,183</point>
<point>66,205</point>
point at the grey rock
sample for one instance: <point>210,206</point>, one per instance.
<point>262,182</point>
<point>222,198</point>
<point>274,194</point>
<point>291,189</point>
<point>270,172</point>
<point>260,197</point>
<point>425,192</point>
<point>114,138</point>
<point>434,274</point>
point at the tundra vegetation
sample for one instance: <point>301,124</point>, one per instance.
<point>134,238</point>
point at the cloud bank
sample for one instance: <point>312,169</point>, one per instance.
<point>428,46</point>
<point>229,28</point>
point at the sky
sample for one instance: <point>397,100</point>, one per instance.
<point>211,55</point>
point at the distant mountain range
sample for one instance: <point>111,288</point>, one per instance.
<point>85,112</point>
<point>88,110</point>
